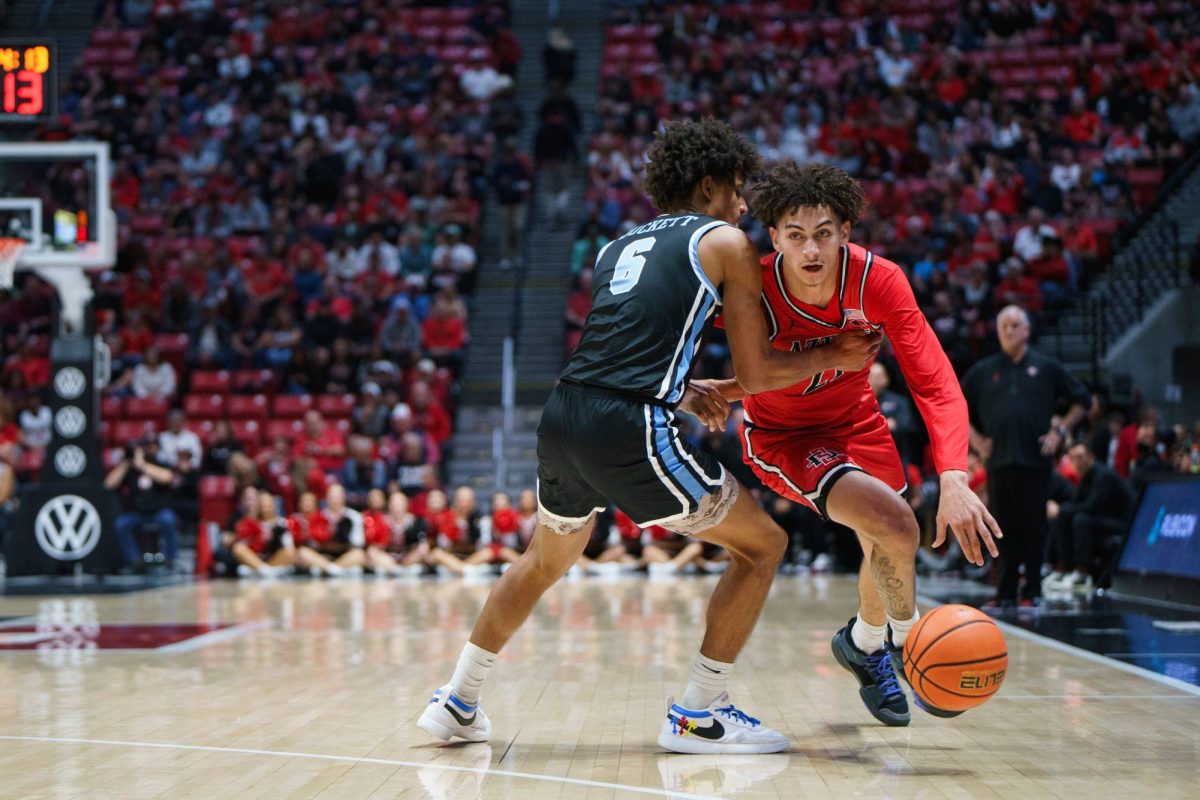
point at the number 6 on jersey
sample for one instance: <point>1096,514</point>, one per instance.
<point>629,265</point>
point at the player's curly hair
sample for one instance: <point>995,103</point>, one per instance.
<point>687,150</point>
<point>789,186</point>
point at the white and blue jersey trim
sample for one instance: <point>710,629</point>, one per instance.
<point>694,256</point>
<point>703,308</point>
<point>675,467</point>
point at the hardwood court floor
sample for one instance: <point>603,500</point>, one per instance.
<point>315,694</point>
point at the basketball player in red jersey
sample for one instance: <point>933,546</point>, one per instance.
<point>824,442</point>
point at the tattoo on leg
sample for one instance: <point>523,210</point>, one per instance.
<point>895,595</point>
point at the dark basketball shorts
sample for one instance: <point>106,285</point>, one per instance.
<point>595,447</point>
<point>803,465</point>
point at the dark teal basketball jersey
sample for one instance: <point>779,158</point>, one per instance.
<point>652,305</point>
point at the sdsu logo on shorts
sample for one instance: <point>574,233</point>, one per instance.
<point>821,457</point>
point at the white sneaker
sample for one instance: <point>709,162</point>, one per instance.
<point>413,570</point>
<point>446,717</point>
<point>660,568</point>
<point>608,569</point>
<point>334,571</point>
<point>477,571</point>
<point>246,571</point>
<point>575,572</point>
<point>822,563</point>
<point>1079,584</point>
<point>720,728</point>
<point>1053,582</point>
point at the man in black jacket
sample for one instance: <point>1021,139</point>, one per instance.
<point>1099,510</point>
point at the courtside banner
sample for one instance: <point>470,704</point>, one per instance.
<point>1165,536</point>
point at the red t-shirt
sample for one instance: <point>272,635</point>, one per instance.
<point>1082,126</point>
<point>375,529</point>
<point>328,439</point>
<point>443,334</point>
<point>434,421</point>
<point>874,296</point>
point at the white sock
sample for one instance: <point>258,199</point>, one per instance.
<point>473,666</point>
<point>900,628</point>
<point>707,683</point>
<point>867,637</point>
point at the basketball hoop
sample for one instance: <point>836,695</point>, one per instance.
<point>11,248</point>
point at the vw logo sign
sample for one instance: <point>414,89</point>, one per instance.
<point>69,383</point>
<point>69,461</point>
<point>70,421</point>
<point>67,527</point>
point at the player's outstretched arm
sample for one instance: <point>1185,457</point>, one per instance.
<point>961,510</point>
<point>730,261</point>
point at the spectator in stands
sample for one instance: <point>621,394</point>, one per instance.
<point>1028,242</point>
<point>222,446</point>
<point>428,412</point>
<point>554,150</point>
<point>276,344</point>
<point>209,336</point>
<point>452,261</point>
<point>1184,113</point>
<point>400,336</point>
<point>323,443</point>
<point>362,472</point>
<point>480,81</point>
<point>513,180</point>
<point>1098,512</point>
<point>35,422</point>
<point>154,377</point>
<point>145,487</point>
<point>444,336</point>
<point>558,57</point>
<point>579,305</point>
<point>371,417</point>
<point>587,247</point>
<point>177,438</point>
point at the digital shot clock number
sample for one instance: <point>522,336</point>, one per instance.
<point>28,71</point>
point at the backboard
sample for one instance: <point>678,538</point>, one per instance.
<point>57,197</point>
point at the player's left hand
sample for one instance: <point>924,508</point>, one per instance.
<point>961,510</point>
<point>703,401</point>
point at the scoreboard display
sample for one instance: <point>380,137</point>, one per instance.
<point>28,90</point>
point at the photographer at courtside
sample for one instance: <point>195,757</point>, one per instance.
<point>146,489</point>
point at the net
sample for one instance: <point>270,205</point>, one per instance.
<point>11,248</point>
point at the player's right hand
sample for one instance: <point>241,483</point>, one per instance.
<point>704,401</point>
<point>852,352</point>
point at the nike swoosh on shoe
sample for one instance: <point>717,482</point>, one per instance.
<point>713,732</point>
<point>465,721</point>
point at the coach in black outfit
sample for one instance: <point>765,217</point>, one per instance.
<point>1011,397</point>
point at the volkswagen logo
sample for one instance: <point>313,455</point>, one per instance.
<point>70,421</point>
<point>69,383</point>
<point>69,461</point>
<point>67,527</point>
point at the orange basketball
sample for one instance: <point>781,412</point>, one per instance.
<point>955,657</point>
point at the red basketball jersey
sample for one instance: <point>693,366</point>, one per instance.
<point>872,294</point>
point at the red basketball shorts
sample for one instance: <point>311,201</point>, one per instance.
<point>804,464</point>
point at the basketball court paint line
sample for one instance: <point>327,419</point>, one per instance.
<point>385,762</point>
<point>1063,647</point>
<point>204,640</point>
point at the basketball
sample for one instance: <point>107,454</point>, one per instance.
<point>955,658</point>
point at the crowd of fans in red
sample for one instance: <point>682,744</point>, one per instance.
<point>1002,143</point>
<point>298,189</point>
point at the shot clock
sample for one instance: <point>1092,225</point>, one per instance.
<point>28,71</point>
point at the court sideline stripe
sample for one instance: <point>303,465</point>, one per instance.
<point>213,637</point>
<point>386,762</point>
<point>1063,647</point>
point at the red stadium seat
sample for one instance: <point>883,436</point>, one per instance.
<point>151,408</point>
<point>336,406</point>
<point>204,428</point>
<point>287,428</point>
<point>112,408</point>
<point>206,381</point>
<point>253,380</point>
<point>247,431</point>
<point>217,500</point>
<point>290,406</point>
<point>204,406</point>
<point>123,432</point>
<point>247,406</point>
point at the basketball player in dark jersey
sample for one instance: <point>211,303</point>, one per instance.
<point>609,432</point>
